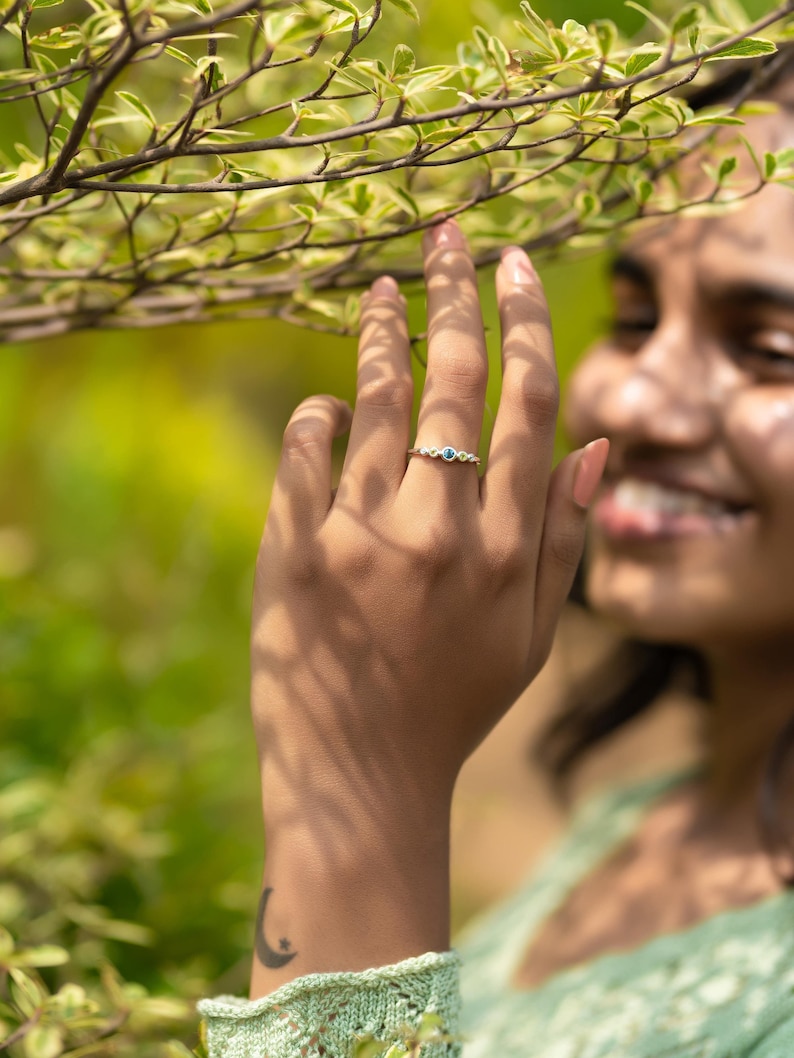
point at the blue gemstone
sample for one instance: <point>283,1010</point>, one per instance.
<point>448,454</point>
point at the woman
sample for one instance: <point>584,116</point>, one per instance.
<point>397,620</point>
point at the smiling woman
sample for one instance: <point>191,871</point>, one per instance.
<point>398,618</point>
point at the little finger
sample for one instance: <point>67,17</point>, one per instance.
<point>302,488</point>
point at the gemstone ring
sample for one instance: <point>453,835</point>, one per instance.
<point>448,454</point>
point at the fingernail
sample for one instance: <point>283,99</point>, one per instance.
<point>447,236</point>
<point>520,269</point>
<point>385,287</point>
<point>589,471</point>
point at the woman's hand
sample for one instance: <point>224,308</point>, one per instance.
<point>396,622</point>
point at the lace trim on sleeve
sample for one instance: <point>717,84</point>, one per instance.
<point>327,1015</point>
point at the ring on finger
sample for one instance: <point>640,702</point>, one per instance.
<point>447,453</point>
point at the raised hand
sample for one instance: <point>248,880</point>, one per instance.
<point>395,622</point>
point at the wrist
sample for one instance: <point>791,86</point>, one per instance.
<point>345,894</point>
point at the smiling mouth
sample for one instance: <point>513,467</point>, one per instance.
<point>637,509</point>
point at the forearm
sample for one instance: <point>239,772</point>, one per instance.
<point>351,883</point>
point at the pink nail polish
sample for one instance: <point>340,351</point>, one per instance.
<point>448,236</point>
<point>589,471</point>
<point>519,267</point>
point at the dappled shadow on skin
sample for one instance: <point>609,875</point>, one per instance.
<point>391,639</point>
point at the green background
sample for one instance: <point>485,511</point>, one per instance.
<point>135,470</point>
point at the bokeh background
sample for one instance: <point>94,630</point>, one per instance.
<point>135,470</point>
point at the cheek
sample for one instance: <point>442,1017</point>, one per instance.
<point>586,397</point>
<point>761,427</point>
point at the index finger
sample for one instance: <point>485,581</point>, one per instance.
<point>514,486</point>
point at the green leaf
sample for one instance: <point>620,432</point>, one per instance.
<point>403,199</point>
<point>43,1041</point>
<point>727,166</point>
<point>26,992</point>
<point>719,116</point>
<point>43,955</point>
<point>362,199</point>
<point>606,33</point>
<point>46,3</point>
<point>407,8</point>
<point>588,205</point>
<point>746,49</point>
<point>770,165</point>
<point>785,158</point>
<point>403,61</point>
<point>690,16</point>
<point>650,16</point>
<point>6,943</point>
<point>369,1048</point>
<point>139,105</point>
<point>537,28</point>
<point>499,54</point>
<point>344,5</point>
<point>177,1049</point>
<point>643,189</point>
<point>181,55</point>
<point>641,60</point>
<point>305,212</point>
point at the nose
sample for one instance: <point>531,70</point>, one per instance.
<point>664,393</point>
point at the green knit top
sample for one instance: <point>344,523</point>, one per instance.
<point>723,988</point>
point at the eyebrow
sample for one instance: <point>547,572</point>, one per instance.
<point>624,266</point>
<point>745,293</point>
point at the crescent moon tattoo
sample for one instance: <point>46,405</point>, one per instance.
<point>270,958</point>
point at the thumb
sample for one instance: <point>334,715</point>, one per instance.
<point>571,490</point>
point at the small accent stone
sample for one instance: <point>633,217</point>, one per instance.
<point>471,459</point>
<point>422,451</point>
<point>448,454</point>
<point>462,456</point>
<point>433,453</point>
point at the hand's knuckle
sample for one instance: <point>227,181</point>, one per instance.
<point>465,374</point>
<point>304,434</point>
<point>565,547</point>
<point>386,391</point>
<point>436,550</point>
<point>506,557</point>
<point>538,398</point>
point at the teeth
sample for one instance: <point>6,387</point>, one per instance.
<point>648,496</point>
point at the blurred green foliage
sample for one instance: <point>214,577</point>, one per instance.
<point>134,476</point>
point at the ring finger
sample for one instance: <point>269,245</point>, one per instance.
<point>451,409</point>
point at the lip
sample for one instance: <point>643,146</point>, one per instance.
<point>671,477</point>
<point>625,511</point>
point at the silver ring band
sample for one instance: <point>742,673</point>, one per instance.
<point>447,453</point>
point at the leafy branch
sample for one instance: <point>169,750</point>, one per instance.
<point>268,158</point>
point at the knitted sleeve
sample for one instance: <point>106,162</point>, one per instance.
<point>328,1015</point>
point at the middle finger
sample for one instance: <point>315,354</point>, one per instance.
<point>451,409</point>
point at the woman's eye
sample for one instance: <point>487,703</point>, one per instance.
<point>769,355</point>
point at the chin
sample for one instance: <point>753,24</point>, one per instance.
<point>644,605</point>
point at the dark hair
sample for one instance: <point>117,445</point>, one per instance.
<point>636,674</point>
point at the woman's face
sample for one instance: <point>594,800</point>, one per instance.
<point>693,533</point>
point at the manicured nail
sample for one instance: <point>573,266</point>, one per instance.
<point>385,287</point>
<point>520,269</point>
<point>589,471</point>
<point>448,236</point>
